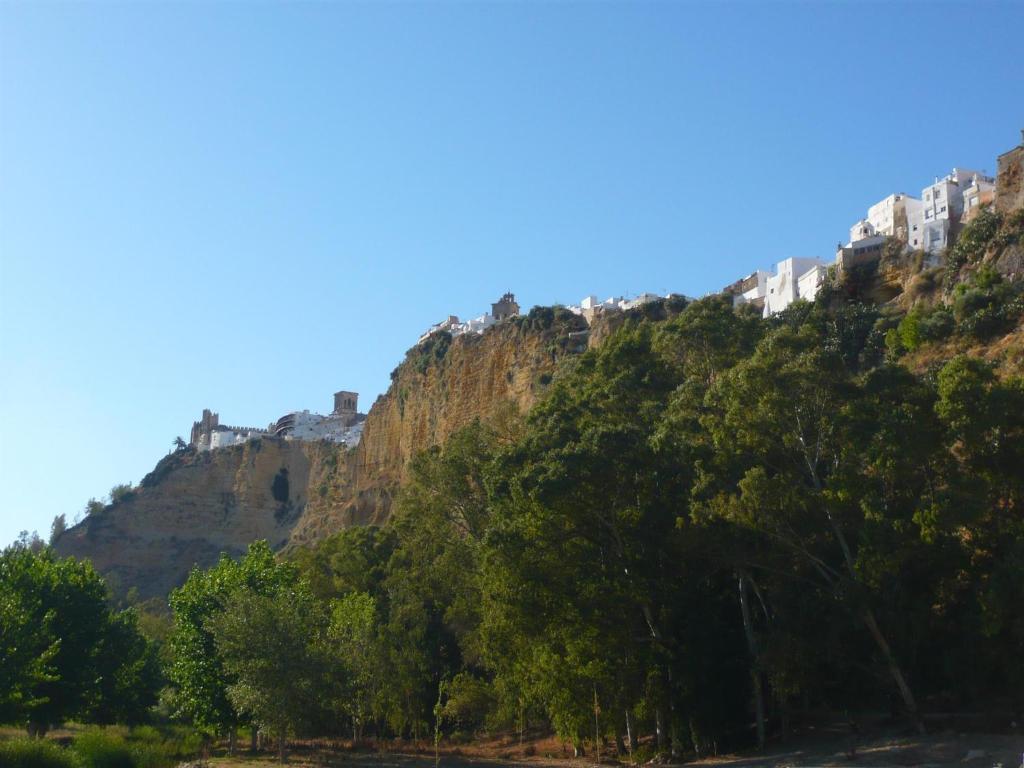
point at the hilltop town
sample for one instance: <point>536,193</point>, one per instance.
<point>928,225</point>
<point>343,425</point>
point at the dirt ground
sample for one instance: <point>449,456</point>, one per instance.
<point>882,751</point>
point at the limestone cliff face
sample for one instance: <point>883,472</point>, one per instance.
<point>442,385</point>
<point>194,506</point>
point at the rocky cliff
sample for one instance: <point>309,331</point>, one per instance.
<point>193,505</point>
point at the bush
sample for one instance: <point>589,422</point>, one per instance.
<point>920,325</point>
<point>986,305</point>
<point>98,749</point>
<point>23,753</point>
<point>432,349</point>
<point>974,240</point>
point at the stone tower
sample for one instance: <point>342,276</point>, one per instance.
<point>346,403</point>
<point>201,429</point>
<point>505,307</point>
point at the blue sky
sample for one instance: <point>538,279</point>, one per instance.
<point>248,206</point>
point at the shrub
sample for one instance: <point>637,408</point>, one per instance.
<point>921,325</point>
<point>121,492</point>
<point>98,749</point>
<point>432,349</point>
<point>974,239</point>
<point>25,753</point>
<point>986,305</point>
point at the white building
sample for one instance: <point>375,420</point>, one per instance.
<point>506,305</point>
<point>943,207</point>
<point>861,230</point>
<point>304,425</point>
<point>222,438</point>
<point>750,289</point>
<point>980,191</point>
<point>889,216</point>
<point>590,305</point>
<point>857,252</point>
<point>810,281</point>
<point>789,284</point>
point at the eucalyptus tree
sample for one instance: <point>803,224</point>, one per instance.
<point>803,457</point>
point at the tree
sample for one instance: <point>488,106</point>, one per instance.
<point>180,444</point>
<point>789,463</point>
<point>198,669</point>
<point>354,643</point>
<point>120,492</point>
<point>58,527</point>
<point>271,646</point>
<point>129,676</point>
<point>93,507</point>
<point>65,655</point>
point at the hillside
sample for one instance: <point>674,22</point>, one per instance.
<point>193,506</point>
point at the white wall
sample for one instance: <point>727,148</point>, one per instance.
<point>783,286</point>
<point>915,222</point>
<point>860,230</point>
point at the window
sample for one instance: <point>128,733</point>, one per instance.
<point>927,195</point>
<point>915,227</point>
<point>938,193</point>
<point>943,209</point>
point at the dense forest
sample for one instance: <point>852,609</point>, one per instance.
<point>710,526</point>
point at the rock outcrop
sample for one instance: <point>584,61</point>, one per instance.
<point>195,505</point>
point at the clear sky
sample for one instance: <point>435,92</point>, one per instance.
<point>248,206</point>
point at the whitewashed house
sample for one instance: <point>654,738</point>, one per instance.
<point>750,289</point>
<point>889,217</point>
<point>785,286</point>
<point>943,207</point>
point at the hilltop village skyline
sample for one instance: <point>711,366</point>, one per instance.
<point>929,224</point>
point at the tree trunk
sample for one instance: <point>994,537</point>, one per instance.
<point>282,746</point>
<point>755,672</point>
<point>872,625</point>
<point>659,730</point>
<point>674,742</point>
<point>254,740</point>
<point>629,733</point>
<point>232,740</point>
<point>894,670</point>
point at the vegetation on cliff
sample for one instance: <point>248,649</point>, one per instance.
<point>698,530</point>
<point>709,526</point>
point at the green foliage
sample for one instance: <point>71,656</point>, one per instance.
<point>430,351</point>
<point>271,646</point>
<point>94,507</point>
<point>354,637</point>
<point>65,654</point>
<point>36,753</point>
<point>121,492</point>
<point>99,749</point>
<point>592,552</point>
<point>919,326</point>
<point>57,528</point>
<point>986,305</point>
<point>974,240</point>
<point>585,565</point>
<point>470,701</point>
<point>198,669</point>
